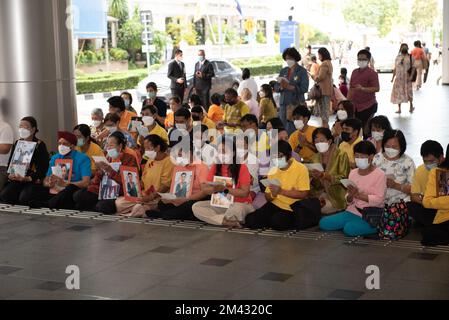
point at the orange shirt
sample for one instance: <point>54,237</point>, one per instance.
<point>418,54</point>
<point>216,113</point>
<point>125,119</point>
<point>134,153</point>
<point>170,120</point>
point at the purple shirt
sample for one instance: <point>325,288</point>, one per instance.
<point>367,78</point>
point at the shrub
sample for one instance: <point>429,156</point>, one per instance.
<point>118,54</point>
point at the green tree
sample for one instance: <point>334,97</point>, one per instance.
<point>380,14</point>
<point>160,42</point>
<point>119,9</point>
<point>424,14</point>
<point>130,35</point>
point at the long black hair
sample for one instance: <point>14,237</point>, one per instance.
<point>234,168</point>
<point>268,93</point>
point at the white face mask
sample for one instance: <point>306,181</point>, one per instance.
<point>290,63</point>
<point>24,133</point>
<point>181,161</point>
<point>378,136</point>
<point>111,130</point>
<point>151,154</point>
<point>299,124</point>
<point>96,123</point>
<point>322,147</point>
<point>362,163</point>
<point>362,64</point>
<point>148,121</point>
<point>342,115</point>
<point>391,153</point>
<point>280,163</point>
<point>64,150</point>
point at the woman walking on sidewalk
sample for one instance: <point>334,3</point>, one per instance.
<point>402,79</point>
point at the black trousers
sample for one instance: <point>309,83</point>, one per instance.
<point>172,212</point>
<point>41,197</point>
<point>270,216</point>
<point>88,201</point>
<point>436,235</point>
<point>179,92</point>
<point>422,216</point>
<point>365,116</point>
<point>205,97</point>
<point>17,193</point>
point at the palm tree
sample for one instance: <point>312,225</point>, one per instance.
<point>118,9</point>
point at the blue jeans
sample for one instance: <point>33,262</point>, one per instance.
<point>351,224</point>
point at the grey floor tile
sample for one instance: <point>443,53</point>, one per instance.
<point>163,249</point>
<point>119,238</point>
<point>273,276</point>
<point>423,256</point>
<point>5,270</point>
<point>162,292</point>
<point>341,294</point>
<point>10,285</point>
<point>50,286</point>
<point>79,228</point>
<point>216,262</point>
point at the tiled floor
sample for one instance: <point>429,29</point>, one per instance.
<point>163,260</point>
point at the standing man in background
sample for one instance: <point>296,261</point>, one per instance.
<point>202,79</point>
<point>177,75</point>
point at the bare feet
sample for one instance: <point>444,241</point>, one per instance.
<point>399,111</point>
<point>412,108</point>
<point>231,224</point>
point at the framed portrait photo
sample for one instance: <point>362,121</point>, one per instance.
<point>182,183</point>
<point>132,189</point>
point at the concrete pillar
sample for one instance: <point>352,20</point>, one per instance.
<point>36,66</point>
<point>445,46</point>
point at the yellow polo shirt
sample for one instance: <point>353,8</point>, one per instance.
<point>93,151</point>
<point>432,201</point>
<point>306,153</point>
<point>294,178</point>
<point>420,180</point>
<point>349,149</point>
<point>159,131</point>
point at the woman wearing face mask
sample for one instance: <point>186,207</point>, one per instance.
<point>267,105</point>
<point>227,166</point>
<point>379,125</point>
<point>293,83</point>
<point>156,178</point>
<point>97,126</point>
<point>369,191</point>
<point>128,99</point>
<point>181,208</point>
<point>294,186</point>
<point>149,114</point>
<point>324,80</point>
<point>345,110</point>
<point>87,199</point>
<point>326,185</point>
<point>17,190</point>
<point>402,79</point>
<point>398,167</point>
<point>87,145</point>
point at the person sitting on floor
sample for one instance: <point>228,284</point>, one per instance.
<point>227,166</point>
<point>18,189</point>
<point>326,185</point>
<point>156,178</point>
<point>437,234</point>
<point>301,140</point>
<point>294,186</point>
<point>87,145</point>
<point>87,199</point>
<point>369,191</point>
<point>433,155</point>
<point>57,193</point>
<point>379,125</point>
<point>350,136</point>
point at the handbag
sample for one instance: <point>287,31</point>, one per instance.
<point>315,92</point>
<point>394,223</point>
<point>412,72</point>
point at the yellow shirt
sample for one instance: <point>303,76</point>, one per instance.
<point>233,114</point>
<point>306,153</point>
<point>267,110</point>
<point>159,131</point>
<point>158,174</point>
<point>349,149</point>
<point>216,113</point>
<point>209,123</point>
<point>431,201</point>
<point>93,151</point>
<point>420,180</point>
<point>294,178</point>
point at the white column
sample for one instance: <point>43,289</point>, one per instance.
<point>446,42</point>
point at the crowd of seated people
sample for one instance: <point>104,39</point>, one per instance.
<point>180,152</point>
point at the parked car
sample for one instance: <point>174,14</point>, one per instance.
<point>226,76</point>
<point>384,56</point>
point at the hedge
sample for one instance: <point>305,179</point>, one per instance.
<point>264,70</point>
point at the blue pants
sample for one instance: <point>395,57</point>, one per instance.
<point>351,224</point>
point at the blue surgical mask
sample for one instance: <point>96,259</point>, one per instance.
<point>201,58</point>
<point>151,95</point>
<point>81,142</point>
<point>127,103</point>
<point>113,153</point>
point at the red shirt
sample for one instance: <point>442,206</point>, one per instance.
<point>367,78</point>
<point>244,179</point>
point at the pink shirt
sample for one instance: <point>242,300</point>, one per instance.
<point>253,107</point>
<point>374,185</point>
<point>368,78</point>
